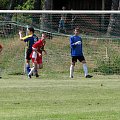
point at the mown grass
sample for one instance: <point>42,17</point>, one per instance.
<point>54,96</point>
<point>57,97</point>
<point>58,58</point>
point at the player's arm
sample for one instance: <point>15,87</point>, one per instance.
<point>20,35</point>
<point>25,39</point>
<point>34,49</point>
<point>72,43</point>
<point>45,52</point>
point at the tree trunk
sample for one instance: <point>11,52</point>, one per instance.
<point>113,17</point>
<point>12,4</point>
<point>48,4</point>
<point>10,7</point>
<point>36,17</point>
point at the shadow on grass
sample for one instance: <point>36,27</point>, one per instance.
<point>16,73</point>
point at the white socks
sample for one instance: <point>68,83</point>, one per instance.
<point>85,69</point>
<point>31,71</point>
<point>71,70</point>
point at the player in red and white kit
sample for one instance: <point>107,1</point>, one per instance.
<point>36,55</point>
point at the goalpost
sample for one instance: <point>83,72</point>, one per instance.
<point>99,31</point>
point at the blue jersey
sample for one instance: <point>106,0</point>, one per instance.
<point>76,49</point>
<point>30,39</point>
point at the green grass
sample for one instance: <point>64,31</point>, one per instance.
<point>56,97</point>
<point>59,59</point>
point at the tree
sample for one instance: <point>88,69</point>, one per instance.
<point>3,4</point>
<point>12,4</point>
<point>21,4</point>
<point>113,17</point>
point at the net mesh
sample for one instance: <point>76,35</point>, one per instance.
<point>100,33</point>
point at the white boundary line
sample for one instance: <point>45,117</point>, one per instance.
<point>61,11</point>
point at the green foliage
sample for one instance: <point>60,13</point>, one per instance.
<point>21,18</point>
<point>28,5</point>
<point>3,4</point>
<point>109,66</point>
<point>42,4</point>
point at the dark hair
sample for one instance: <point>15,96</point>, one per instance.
<point>31,29</point>
<point>77,28</point>
<point>44,33</point>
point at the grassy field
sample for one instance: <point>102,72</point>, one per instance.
<point>57,97</point>
<point>54,96</point>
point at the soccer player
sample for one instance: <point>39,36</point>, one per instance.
<point>0,52</point>
<point>62,25</point>
<point>30,39</point>
<point>77,53</point>
<point>36,55</point>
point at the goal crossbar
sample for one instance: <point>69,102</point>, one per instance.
<point>61,11</point>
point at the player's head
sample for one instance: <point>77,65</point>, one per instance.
<point>31,30</point>
<point>63,8</point>
<point>62,17</point>
<point>44,36</point>
<point>76,31</point>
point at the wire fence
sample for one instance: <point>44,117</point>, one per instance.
<point>100,33</point>
<point>90,24</point>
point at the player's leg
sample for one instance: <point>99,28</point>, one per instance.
<point>27,66</point>
<point>85,68</point>
<point>64,28</point>
<point>39,65</point>
<point>58,30</point>
<point>72,69</point>
<point>28,60</point>
<point>33,69</point>
<point>74,60</point>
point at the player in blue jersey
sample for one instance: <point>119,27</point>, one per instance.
<point>77,53</point>
<point>30,39</point>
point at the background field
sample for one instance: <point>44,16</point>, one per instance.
<point>102,55</point>
<point>56,97</point>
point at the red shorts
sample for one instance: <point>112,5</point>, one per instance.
<point>37,60</point>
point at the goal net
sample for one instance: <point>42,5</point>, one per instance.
<point>100,32</point>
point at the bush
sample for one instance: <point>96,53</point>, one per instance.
<point>110,66</point>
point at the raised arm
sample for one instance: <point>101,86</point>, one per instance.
<point>72,43</point>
